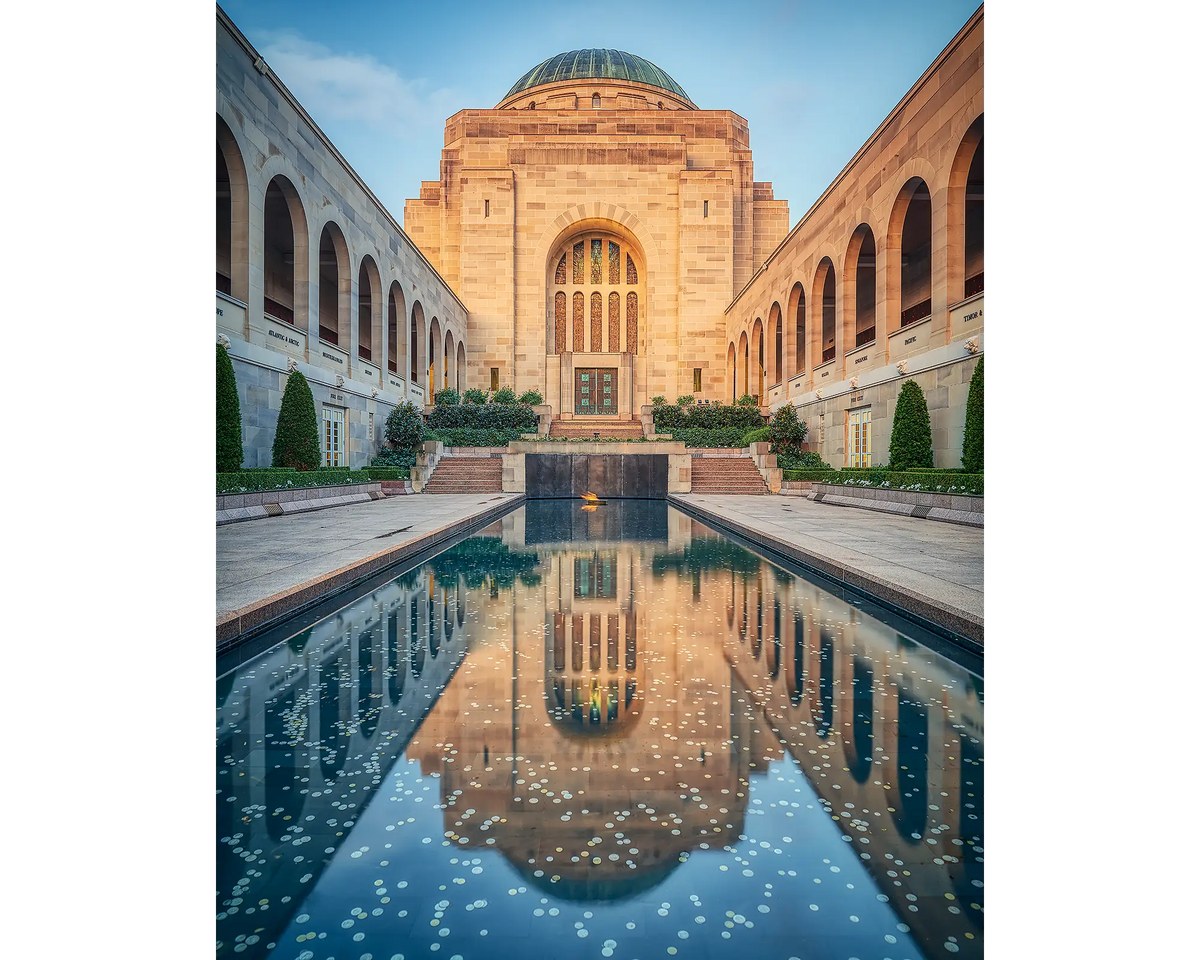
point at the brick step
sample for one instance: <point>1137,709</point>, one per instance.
<point>734,475</point>
<point>467,475</point>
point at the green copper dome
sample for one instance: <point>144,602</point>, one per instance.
<point>598,64</point>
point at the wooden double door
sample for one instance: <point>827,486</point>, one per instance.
<point>596,392</point>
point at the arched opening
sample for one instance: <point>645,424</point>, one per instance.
<point>595,101</point>
<point>731,374</point>
<point>233,217</point>
<point>435,357</point>
<point>775,338</point>
<point>333,289</point>
<point>756,352</point>
<point>460,373</point>
<point>966,202</point>
<point>743,352</point>
<point>915,249</point>
<point>826,287</point>
<point>416,337</point>
<point>370,312</point>
<point>285,253</point>
<point>447,360</point>
<point>396,356</point>
<point>858,307</point>
<point>796,312</point>
<point>973,227</point>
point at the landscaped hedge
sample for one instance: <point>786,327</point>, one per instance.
<point>516,417</point>
<point>724,437</point>
<point>467,437</point>
<point>802,460</point>
<point>814,476</point>
<point>709,416</point>
<point>249,481</point>
<point>927,481</point>
<point>388,473</point>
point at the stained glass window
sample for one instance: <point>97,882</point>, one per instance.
<point>630,271</point>
<point>560,272</point>
<point>560,320</point>
<point>631,321</point>
<point>597,323</point>
<point>577,321</point>
<point>595,261</point>
<point>614,322</point>
<point>614,263</point>
<point>577,263</point>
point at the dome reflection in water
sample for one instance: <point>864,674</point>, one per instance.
<point>610,733</point>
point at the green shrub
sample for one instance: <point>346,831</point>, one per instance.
<point>787,431</point>
<point>758,435</point>
<point>912,440</point>
<point>504,396</point>
<point>389,473</point>
<point>927,481</point>
<point>229,416</point>
<point>531,398</point>
<point>699,437</point>
<point>475,395</point>
<point>802,460</point>
<point>469,437</point>
<point>658,401</point>
<point>446,398</point>
<point>814,475</point>
<point>516,417</point>
<point>686,400</point>
<point>404,429</point>
<point>297,443</point>
<point>972,448</point>
<point>745,400</point>
<point>390,457</point>
<point>249,481</point>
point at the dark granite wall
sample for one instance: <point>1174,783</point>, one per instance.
<point>637,475</point>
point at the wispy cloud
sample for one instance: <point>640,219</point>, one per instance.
<point>352,87</point>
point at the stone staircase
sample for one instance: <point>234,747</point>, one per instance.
<point>587,429</point>
<point>467,475</point>
<point>726,475</point>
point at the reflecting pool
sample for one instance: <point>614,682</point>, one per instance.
<point>601,732</point>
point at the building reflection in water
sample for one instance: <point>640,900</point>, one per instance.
<point>619,678</point>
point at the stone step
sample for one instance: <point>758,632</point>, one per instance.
<point>733,475</point>
<point>467,475</point>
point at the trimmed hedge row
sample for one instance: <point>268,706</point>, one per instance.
<point>711,416</point>
<point>464,437</point>
<point>388,473</point>
<point>726,437</point>
<point>492,416</point>
<point>926,481</point>
<point>249,481</point>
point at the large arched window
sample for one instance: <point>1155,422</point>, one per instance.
<point>233,222</point>
<point>370,302</point>
<point>417,344</point>
<point>860,271</point>
<point>460,374</point>
<point>447,360</point>
<point>775,338</point>
<point>594,274</point>
<point>435,350</point>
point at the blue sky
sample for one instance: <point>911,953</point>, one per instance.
<point>813,79</point>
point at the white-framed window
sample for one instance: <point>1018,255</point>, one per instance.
<point>333,436</point>
<point>860,438</point>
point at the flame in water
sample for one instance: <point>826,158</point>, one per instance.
<point>590,496</point>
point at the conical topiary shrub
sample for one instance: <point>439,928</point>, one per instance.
<point>297,443</point>
<point>229,416</point>
<point>972,452</point>
<point>912,440</point>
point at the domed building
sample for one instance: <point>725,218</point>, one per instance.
<point>600,238</point>
<point>595,224</point>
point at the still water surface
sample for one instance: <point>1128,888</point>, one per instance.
<point>606,733</point>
